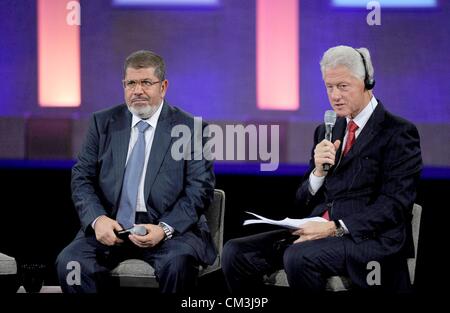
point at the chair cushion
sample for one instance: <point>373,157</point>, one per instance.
<point>334,283</point>
<point>133,268</point>
<point>278,278</point>
<point>135,273</point>
<point>338,283</point>
<point>8,265</point>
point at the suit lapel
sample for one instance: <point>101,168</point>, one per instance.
<point>370,130</point>
<point>120,138</point>
<point>161,142</point>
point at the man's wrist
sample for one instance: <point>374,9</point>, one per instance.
<point>95,221</point>
<point>315,182</point>
<point>318,173</point>
<point>167,232</point>
<point>339,230</point>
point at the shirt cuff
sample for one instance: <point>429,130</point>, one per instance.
<point>344,227</point>
<point>93,223</point>
<point>315,182</point>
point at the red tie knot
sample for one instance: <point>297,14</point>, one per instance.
<point>352,127</point>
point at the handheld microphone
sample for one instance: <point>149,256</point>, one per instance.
<point>139,230</point>
<point>329,119</point>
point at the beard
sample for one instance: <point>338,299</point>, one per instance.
<point>143,112</point>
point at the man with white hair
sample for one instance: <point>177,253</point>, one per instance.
<point>367,195</point>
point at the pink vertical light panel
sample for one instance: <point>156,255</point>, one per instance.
<point>277,54</point>
<point>58,56</point>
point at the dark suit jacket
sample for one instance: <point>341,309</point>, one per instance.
<point>176,192</point>
<point>372,189</point>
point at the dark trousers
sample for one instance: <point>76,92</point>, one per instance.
<point>175,263</point>
<point>308,265</point>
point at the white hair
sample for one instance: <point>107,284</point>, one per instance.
<point>348,57</point>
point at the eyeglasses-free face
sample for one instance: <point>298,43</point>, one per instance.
<point>345,91</point>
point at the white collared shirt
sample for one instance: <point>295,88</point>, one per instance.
<point>361,119</point>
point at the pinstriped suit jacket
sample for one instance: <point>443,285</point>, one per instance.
<point>372,189</point>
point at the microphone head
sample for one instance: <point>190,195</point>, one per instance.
<point>329,117</point>
<point>139,230</point>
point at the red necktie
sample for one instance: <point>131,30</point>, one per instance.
<point>352,127</point>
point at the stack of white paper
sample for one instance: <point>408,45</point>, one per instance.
<point>287,222</point>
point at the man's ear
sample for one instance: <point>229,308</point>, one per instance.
<point>164,86</point>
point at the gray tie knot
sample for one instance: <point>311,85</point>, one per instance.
<point>142,126</point>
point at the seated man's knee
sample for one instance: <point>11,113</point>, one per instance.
<point>180,264</point>
<point>231,246</point>
<point>69,260</point>
<point>63,262</point>
<point>294,259</point>
<point>231,251</point>
<point>304,269</point>
<point>178,275</point>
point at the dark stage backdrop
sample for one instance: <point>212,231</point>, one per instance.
<point>38,218</point>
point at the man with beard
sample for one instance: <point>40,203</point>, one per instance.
<point>125,175</point>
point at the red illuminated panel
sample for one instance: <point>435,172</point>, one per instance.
<point>58,56</point>
<point>277,54</point>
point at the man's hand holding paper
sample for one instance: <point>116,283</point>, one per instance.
<point>315,230</point>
